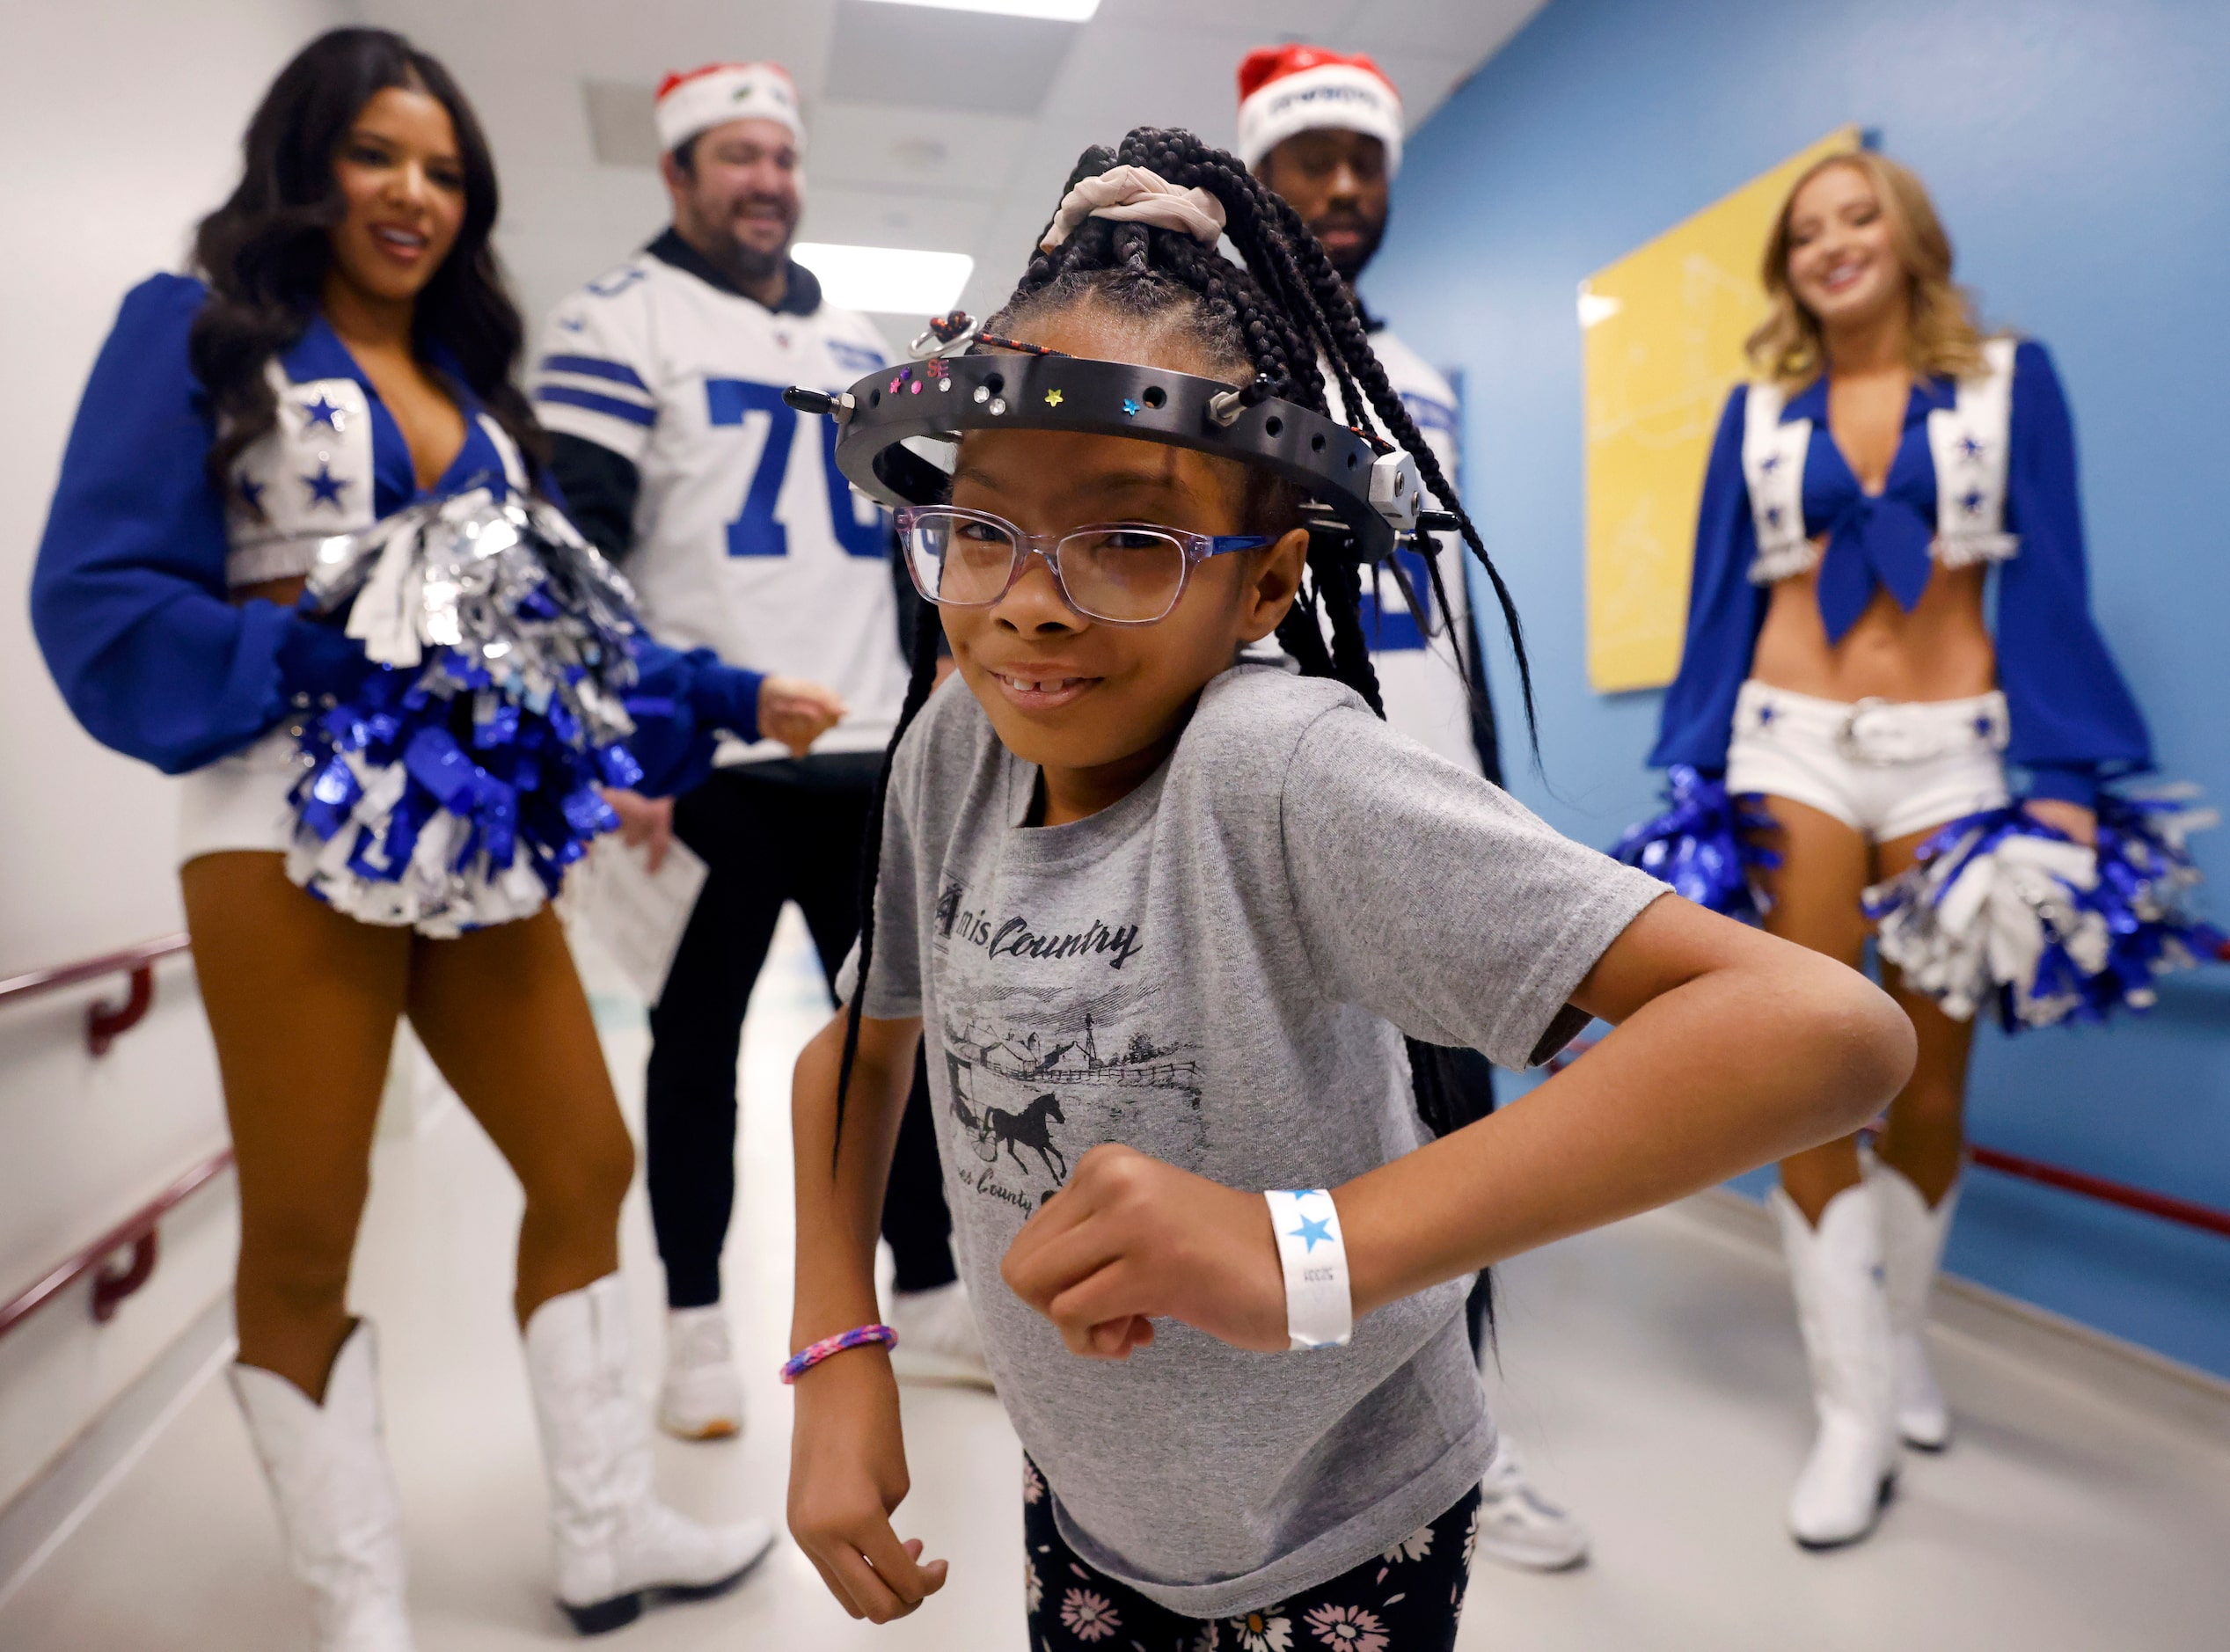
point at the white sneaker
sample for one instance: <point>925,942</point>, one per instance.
<point>938,1341</point>
<point>1520,1527</point>
<point>618,1548</point>
<point>702,1397</point>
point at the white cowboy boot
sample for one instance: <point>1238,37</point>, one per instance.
<point>702,1397</point>
<point>338,1510</point>
<point>1913,1239</point>
<point>1835,1271</point>
<point>616,1543</point>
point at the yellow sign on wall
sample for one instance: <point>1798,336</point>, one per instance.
<point>1663,334</point>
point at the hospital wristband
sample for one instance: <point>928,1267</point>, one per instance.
<point>862,1337</point>
<point>1319,1311</point>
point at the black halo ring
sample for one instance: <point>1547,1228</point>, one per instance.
<point>941,398</point>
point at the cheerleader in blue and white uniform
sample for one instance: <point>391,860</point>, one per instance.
<point>1842,663</point>
<point>346,351</point>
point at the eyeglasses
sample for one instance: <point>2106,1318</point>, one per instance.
<point>1119,573</point>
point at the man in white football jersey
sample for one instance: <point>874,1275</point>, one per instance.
<point>1324,131</point>
<point>662,384</point>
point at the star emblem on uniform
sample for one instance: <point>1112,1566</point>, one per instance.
<point>1053,398</point>
<point>324,487</point>
<point>1772,515</point>
<point>1972,501</point>
<point>1769,463</point>
<point>1313,1229</point>
<point>1984,727</point>
<point>1970,448</point>
<point>250,493</point>
<point>322,411</point>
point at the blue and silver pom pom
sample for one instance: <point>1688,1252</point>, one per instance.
<point>454,786</point>
<point>1703,845</point>
<point>2004,911</point>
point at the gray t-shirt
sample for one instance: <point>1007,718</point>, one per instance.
<point>1213,971</point>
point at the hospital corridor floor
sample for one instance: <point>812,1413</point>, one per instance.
<point>1651,1371</point>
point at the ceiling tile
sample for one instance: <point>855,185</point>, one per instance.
<point>928,56</point>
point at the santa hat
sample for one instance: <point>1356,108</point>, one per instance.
<point>1284,90</point>
<point>695,103</point>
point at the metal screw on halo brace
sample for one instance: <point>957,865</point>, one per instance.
<point>1226,408</point>
<point>818,401</point>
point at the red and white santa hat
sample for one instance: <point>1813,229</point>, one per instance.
<point>703,99</point>
<point>1284,90</point>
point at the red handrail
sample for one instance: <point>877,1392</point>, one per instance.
<point>136,1231</point>
<point>2161,1205</point>
<point>104,1021</point>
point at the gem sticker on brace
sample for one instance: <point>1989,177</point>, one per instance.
<point>1053,398</point>
<point>982,392</point>
<point>998,406</point>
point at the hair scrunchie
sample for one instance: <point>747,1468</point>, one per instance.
<point>1132,194</point>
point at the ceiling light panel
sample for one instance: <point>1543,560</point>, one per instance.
<point>894,279</point>
<point>1052,10</point>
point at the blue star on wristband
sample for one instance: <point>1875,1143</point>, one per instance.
<point>1313,1229</point>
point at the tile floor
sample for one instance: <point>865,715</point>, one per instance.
<point>1651,1371</point>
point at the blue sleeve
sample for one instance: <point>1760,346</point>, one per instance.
<point>2073,716</point>
<point>1725,612</point>
<point>681,702</point>
<point>128,598</point>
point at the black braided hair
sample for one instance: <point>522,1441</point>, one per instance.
<point>1270,319</point>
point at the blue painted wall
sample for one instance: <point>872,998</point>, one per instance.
<point>2080,154</point>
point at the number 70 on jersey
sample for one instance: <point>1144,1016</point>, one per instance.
<point>755,532</point>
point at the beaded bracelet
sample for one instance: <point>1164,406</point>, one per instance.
<point>862,1337</point>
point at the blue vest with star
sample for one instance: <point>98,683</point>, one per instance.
<point>1985,473</point>
<point>129,596</point>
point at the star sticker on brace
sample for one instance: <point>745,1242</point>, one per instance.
<point>1130,407</point>
<point>322,411</point>
<point>1313,1229</point>
<point>324,487</point>
<point>1053,398</point>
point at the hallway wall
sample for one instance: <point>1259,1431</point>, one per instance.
<point>121,123</point>
<point>2080,157</point>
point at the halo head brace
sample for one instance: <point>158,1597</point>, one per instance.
<point>889,418</point>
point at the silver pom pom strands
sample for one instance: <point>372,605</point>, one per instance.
<point>451,789</point>
<point>2001,911</point>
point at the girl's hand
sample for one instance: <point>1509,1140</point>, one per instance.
<point>2073,819</point>
<point>847,1472</point>
<point>1130,1239</point>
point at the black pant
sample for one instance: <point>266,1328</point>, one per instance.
<point>769,832</point>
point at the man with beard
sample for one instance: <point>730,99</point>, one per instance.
<point>1324,131</point>
<point>662,384</point>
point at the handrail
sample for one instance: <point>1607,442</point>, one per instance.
<point>111,1285</point>
<point>104,1021</point>
<point>2167,1207</point>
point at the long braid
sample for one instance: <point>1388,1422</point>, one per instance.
<point>921,679</point>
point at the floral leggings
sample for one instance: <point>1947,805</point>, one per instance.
<point>1407,1599</point>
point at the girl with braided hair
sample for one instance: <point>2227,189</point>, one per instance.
<point>1165,916</point>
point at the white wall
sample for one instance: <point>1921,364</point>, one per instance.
<point>119,123</point>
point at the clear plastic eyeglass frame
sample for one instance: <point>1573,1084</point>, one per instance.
<point>1196,547</point>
